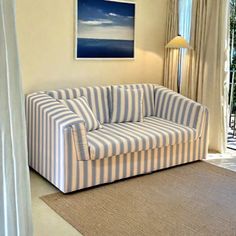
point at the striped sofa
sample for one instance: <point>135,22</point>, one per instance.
<point>174,132</point>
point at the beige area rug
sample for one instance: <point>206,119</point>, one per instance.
<point>194,199</point>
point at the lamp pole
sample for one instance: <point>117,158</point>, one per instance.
<point>179,70</point>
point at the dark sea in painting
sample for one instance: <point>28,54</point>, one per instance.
<point>104,48</point>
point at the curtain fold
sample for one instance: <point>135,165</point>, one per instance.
<point>194,62</point>
<point>171,55</point>
<point>216,72</point>
<point>15,201</point>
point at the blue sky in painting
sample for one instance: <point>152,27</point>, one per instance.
<point>100,19</point>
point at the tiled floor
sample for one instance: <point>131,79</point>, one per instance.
<point>48,223</point>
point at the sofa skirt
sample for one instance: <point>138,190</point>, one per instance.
<point>83,174</point>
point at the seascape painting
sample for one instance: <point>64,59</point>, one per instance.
<point>105,29</point>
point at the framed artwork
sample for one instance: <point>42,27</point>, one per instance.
<point>105,29</point>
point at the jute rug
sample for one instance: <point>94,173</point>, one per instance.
<point>194,199</point>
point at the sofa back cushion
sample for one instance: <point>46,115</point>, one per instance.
<point>97,99</point>
<point>80,107</point>
<point>127,105</point>
<point>148,97</point>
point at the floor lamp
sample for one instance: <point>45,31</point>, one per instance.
<point>178,42</point>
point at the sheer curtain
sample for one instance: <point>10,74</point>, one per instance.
<point>185,19</point>
<point>15,203</point>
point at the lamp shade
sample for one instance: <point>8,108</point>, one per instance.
<point>178,42</point>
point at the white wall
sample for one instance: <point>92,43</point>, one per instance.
<point>46,45</point>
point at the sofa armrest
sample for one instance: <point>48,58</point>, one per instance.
<point>56,137</point>
<point>80,142</point>
<point>174,107</point>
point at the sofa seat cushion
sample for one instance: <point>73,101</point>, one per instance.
<point>116,139</point>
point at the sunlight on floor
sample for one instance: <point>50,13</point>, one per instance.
<point>226,160</point>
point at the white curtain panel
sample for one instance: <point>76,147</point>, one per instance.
<point>206,70</point>
<point>216,72</point>
<point>15,202</point>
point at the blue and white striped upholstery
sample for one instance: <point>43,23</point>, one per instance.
<point>117,139</point>
<point>97,99</point>
<point>107,170</point>
<point>84,174</point>
<point>62,151</point>
<point>49,125</point>
<point>148,96</point>
<point>174,107</point>
<point>127,105</point>
<point>80,107</point>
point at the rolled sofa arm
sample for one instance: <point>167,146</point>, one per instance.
<point>179,109</point>
<point>56,137</point>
